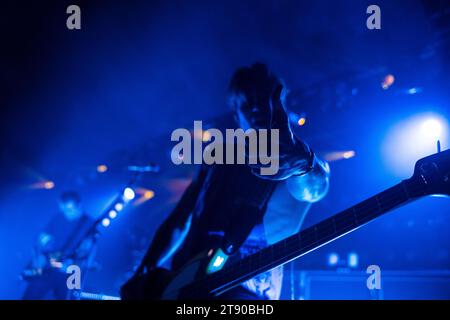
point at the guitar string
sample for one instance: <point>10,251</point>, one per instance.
<point>238,267</point>
<point>385,196</point>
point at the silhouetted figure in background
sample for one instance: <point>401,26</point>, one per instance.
<point>59,245</point>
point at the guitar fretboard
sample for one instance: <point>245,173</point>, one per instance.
<point>310,238</point>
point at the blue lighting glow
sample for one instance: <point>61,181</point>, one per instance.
<point>217,261</point>
<point>414,90</point>
<point>118,206</point>
<point>112,214</point>
<point>412,139</point>
<point>333,259</point>
<point>432,128</point>
<point>353,260</point>
<point>128,194</point>
<point>106,222</point>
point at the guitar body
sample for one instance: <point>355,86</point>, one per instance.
<point>49,263</point>
<point>148,286</point>
<point>163,284</point>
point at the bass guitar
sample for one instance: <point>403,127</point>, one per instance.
<point>195,281</point>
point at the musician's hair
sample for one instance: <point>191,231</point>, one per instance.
<point>250,83</point>
<point>70,196</point>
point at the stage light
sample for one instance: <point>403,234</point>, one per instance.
<point>203,135</point>
<point>206,136</point>
<point>45,184</point>
<point>353,260</point>
<point>44,238</point>
<point>412,139</point>
<point>148,194</point>
<point>413,90</point>
<point>339,155</point>
<point>106,222</point>
<point>348,154</point>
<point>49,185</point>
<point>112,214</point>
<point>128,194</point>
<point>118,206</point>
<point>432,128</point>
<point>298,119</point>
<point>102,168</point>
<point>387,81</point>
<point>301,121</point>
<point>144,195</point>
<point>333,259</point>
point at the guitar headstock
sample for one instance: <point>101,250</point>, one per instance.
<point>433,173</point>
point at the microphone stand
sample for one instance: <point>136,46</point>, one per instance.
<point>93,232</point>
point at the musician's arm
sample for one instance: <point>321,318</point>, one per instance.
<point>310,186</point>
<point>85,248</point>
<point>307,176</point>
<point>39,260</point>
<point>285,215</point>
<point>44,242</point>
<point>172,232</point>
<point>42,245</point>
<point>177,237</point>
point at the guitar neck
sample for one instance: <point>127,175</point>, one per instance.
<point>313,237</point>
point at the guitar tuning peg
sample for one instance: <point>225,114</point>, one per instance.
<point>438,146</point>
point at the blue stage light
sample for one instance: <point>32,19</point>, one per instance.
<point>298,119</point>
<point>333,259</point>
<point>353,260</point>
<point>432,128</point>
<point>128,194</point>
<point>106,222</point>
<point>112,214</point>
<point>414,90</point>
<point>412,139</point>
<point>118,206</point>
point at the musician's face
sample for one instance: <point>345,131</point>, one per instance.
<point>251,93</point>
<point>253,114</point>
<point>71,209</point>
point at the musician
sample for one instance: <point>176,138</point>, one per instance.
<point>63,242</point>
<point>235,206</point>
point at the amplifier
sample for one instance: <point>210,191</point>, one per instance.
<point>346,284</point>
